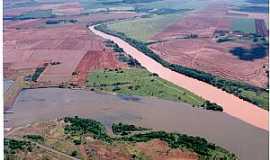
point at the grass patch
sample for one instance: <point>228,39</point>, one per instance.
<point>36,15</point>
<point>144,28</point>
<point>136,81</point>
<point>244,25</point>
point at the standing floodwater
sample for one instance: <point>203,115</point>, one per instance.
<point>220,128</point>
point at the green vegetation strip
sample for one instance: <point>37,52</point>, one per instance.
<point>35,138</point>
<point>11,146</point>
<point>144,28</point>
<point>138,81</point>
<point>37,73</point>
<point>125,129</point>
<point>255,95</point>
<point>205,150</point>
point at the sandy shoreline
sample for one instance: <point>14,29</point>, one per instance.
<point>231,104</point>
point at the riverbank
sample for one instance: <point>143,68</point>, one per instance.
<point>246,141</point>
<point>231,104</point>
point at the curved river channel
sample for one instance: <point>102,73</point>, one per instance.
<point>231,104</point>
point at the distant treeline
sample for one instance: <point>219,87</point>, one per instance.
<point>237,88</point>
<point>117,2</point>
<point>36,14</point>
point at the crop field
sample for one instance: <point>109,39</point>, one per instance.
<point>66,45</point>
<point>140,82</point>
<point>35,14</point>
<point>93,5</point>
<point>174,4</point>
<point>144,28</point>
<point>202,23</point>
<point>261,27</point>
<point>95,60</point>
<point>99,17</point>
<point>256,9</point>
<point>244,25</point>
<point>196,54</point>
<point>205,54</point>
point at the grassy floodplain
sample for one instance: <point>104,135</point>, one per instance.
<point>242,90</point>
<point>144,28</point>
<point>136,81</point>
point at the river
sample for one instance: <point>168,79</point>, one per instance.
<point>231,104</point>
<point>34,105</point>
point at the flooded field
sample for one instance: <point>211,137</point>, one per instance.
<point>246,141</point>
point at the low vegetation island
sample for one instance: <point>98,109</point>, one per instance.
<point>77,132</point>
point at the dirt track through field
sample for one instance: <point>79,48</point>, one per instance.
<point>231,104</point>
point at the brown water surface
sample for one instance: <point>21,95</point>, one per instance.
<point>247,141</point>
<point>231,104</point>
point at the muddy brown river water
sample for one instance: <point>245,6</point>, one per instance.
<point>231,104</point>
<point>247,141</point>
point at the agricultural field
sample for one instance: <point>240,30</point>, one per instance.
<point>92,61</point>
<point>202,53</point>
<point>244,25</point>
<point>47,46</point>
<point>261,28</point>
<point>144,28</point>
<point>57,66</point>
<point>102,5</point>
<point>191,43</point>
<point>255,9</point>
<point>161,14</point>
<point>47,43</point>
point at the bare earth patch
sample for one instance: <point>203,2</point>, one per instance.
<point>203,52</point>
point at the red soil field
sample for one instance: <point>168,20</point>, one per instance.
<point>160,150</point>
<point>67,8</point>
<point>202,23</point>
<point>94,60</point>
<point>31,23</point>
<point>203,53</point>
<point>8,72</point>
<point>213,58</point>
<point>29,48</point>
